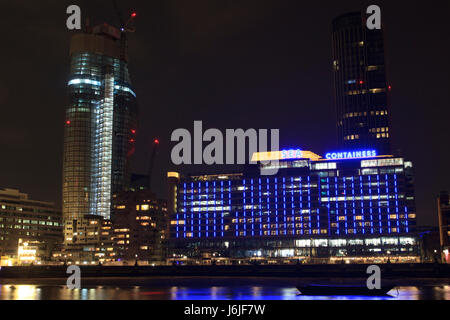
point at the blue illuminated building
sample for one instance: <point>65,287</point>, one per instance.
<point>354,208</point>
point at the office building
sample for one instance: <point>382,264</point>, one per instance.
<point>140,224</point>
<point>430,248</point>
<point>356,206</point>
<point>26,221</point>
<point>361,91</point>
<point>100,129</point>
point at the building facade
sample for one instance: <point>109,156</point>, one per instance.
<point>140,224</point>
<point>23,220</point>
<point>87,230</point>
<point>355,206</point>
<point>443,204</point>
<point>361,91</point>
<point>100,128</point>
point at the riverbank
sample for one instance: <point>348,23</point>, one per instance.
<point>338,271</point>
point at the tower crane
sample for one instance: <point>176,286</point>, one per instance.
<point>125,27</point>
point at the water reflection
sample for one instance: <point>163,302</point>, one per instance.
<point>52,292</point>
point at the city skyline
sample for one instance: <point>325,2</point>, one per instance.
<point>162,86</point>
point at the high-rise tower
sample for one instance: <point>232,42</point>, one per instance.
<point>360,87</point>
<point>100,126</point>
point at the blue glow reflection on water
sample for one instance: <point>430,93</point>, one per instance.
<point>252,293</point>
<point>46,292</point>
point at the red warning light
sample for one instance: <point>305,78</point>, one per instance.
<point>133,131</point>
<point>133,15</point>
<point>156,141</point>
<point>68,122</point>
<point>131,140</point>
<point>389,87</point>
<point>361,82</point>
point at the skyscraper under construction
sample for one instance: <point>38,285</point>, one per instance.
<point>100,127</point>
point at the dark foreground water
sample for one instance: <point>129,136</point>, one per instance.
<point>60,292</point>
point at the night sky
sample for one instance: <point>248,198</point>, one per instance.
<point>232,64</point>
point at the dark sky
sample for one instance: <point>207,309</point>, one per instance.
<point>231,64</point>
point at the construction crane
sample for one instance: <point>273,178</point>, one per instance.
<point>152,162</point>
<point>125,27</point>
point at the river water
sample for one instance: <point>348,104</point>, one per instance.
<point>13,291</point>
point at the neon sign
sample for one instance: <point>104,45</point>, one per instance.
<point>351,154</point>
<point>291,154</point>
<point>287,154</point>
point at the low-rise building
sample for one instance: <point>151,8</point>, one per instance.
<point>140,225</point>
<point>25,221</point>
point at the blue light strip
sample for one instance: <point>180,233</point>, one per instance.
<point>309,206</point>
<point>253,206</point>
<point>192,209</point>
<point>276,205</point>
<point>353,206</point>
<point>337,206</point>
<point>329,206</point>
<point>379,204</point>
<point>260,208</point>
<point>215,209</point>
<point>199,212</point>
<point>245,214</point>
<point>388,216</point>
<point>207,212</point>
<point>294,227</point>
<point>223,205</point>
<point>268,207</point>
<point>345,205</point>
<point>396,203</point>
<point>361,193</point>
<point>184,207</point>
<point>371,205</point>
<point>284,205</point>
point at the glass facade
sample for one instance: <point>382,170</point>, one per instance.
<point>360,87</point>
<point>344,207</point>
<point>100,126</point>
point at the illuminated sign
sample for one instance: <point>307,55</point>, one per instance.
<point>291,154</point>
<point>351,154</point>
<point>288,154</point>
